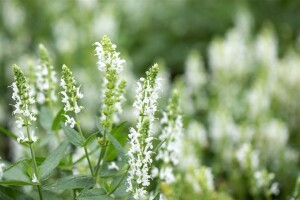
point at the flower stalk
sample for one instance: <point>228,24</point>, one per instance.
<point>70,95</point>
<point>140,137</point>
<point>25,116</point>
<point>112,65</point>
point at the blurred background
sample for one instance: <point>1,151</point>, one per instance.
<point>236,62</point>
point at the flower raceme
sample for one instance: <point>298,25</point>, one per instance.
<point>172,131</point>
<point>45,78</point>
<point>23,112</point>
<point>113,87</point>
<point>140,137</point>
<point>70,95</point>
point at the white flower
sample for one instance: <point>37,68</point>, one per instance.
<point>33,137</point>
<point>140,138</point>
<point>45,78</point>
<point>245,154</point>
<point>40,98</point>
<point>70,121</point>
<point>78,93</point>
<point>112,166</point>
<point>2,165</point>
<point>23,98</point>
<point>20,122</point>
<point>139,193</point>
<point>70,95</point>
<point>209,179</point>
<point>167,174</point>
<point>34,179</point>
<point>22,138</point>
<point>171,136</point>
<point>275,188</point>
<point>110,59</point>
<point>63,84</point>
<point>113,88</point>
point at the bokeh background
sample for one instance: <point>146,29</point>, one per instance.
<point>237,64</point>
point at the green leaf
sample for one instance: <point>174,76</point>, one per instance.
<point>45,118</point>
<point>116,143</point>
<point>71,182</point>
<point>13,194</point>
<point>90,138</point>
<point>16,172</point>
<point>120,191</point>
<point>8,133</point>
<point>73,136</point>
<point>16,164</point>
<point>94,194</point>
<point>157,197</point>
<point>15,183</point>
<point>53,160</point>
<point>159,145</point>
<point>111,173</point>
<point>57,120</point>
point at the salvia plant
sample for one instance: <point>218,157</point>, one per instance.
<point>116,169</point>
<point>213,136</point>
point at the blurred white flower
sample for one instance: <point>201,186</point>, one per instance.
<point>34,179</point>
<point>113,166</point>
<point>2,165</point>
<point>247,157</point>
<point>275,188</point>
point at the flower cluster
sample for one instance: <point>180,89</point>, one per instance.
<point>140,137</point>
<point>113,88</point>
<point>45,78</point>
<point>70,95</point>
<point>201,179</point>
<point>249,161</point>
<point>172,131</point>
<point>247,158</point>
<point>24,101</point>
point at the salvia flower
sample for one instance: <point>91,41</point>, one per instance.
<point>70,95</point>
<point>275,188</point>
<point>34,179</point>
<point>23,111</point>
<point>201,179</point>
<point>45,78</point>
<point>263,178</point>
<point>140,137</point>
<point>23,139</point>
<point>247,157</point>
<point>172,131</point>
<point>113,166</point>
<point>113,88</point>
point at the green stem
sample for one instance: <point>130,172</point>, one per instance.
<point>52,110</point>
<point>74,194</point>
<point>84,147</point>
<point>34,161</point>
<point>101,157</point>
